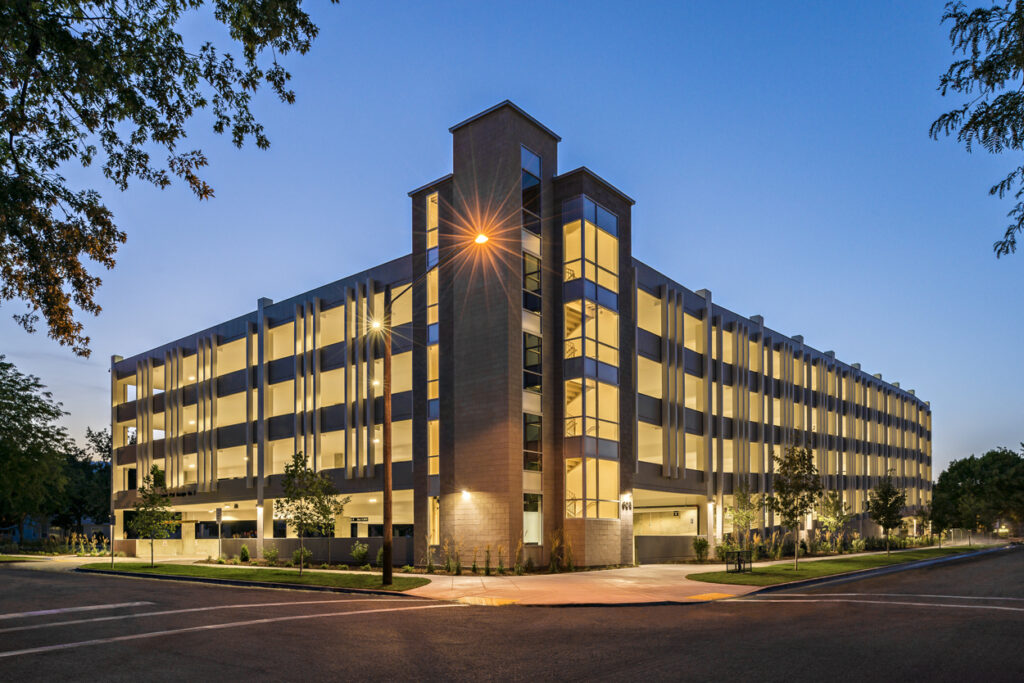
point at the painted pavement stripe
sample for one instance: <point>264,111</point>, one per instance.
<point>905,595</point>
<point>64,610</point>
<point>136,615</point>
<point>211,627</point>
<point>880,602</point>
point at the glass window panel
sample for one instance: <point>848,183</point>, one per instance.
<point>573,398</point>
<point>433,438</point>
<point>590,241</point>
<point>589,211</point>
<point>608,479</point>
<point>607,402</point>
<point>431,257</point>
<point>608,430</point>
<point>530,161</point>
<point>432,212</point>
<point>608,509</point>
<point>608,327</point>
<point>608,251</point>
<point>572,242</point>
<point>531,193</point>
<point>589,324</point>
<point>432,288</point>
<point>590,400</point>
<point>608,354</point>
<point>574,487</point>
<point>607,280</point>
<point>432,362</point>
<point>606,221</point>
<point>590,476</point>
<point>533,519</point>
<point>531,432</point>
<point>531,273</point>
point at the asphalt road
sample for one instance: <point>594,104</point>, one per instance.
<point>959,621</point>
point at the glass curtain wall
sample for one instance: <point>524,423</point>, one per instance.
<point>591,359</point>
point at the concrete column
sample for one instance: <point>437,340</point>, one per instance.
<point>369,344</point>
<point>263,515</point>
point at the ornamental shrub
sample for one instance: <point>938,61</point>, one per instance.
<point>359,551</point>
<point>700,548</point>
<point>243,554</point>
<point>270,554</point>
<point>302,556</point>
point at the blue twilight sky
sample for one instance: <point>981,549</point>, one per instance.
<point>778,154</point>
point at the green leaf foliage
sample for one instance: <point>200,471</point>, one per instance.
<point>115,83</point>
<point>310,503</point>
<point>796,487</point>
<point>32,448</point>
<point>885,505</point>
<point>976,492</point>
<point>989,42</point>
<point>154,518</point>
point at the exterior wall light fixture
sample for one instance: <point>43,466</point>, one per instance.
<point>465,494</point>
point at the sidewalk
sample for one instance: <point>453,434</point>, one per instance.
<point>649,583</point>
<point>646,584</point>
<point>652,583</point>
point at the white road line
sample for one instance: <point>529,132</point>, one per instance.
<point>904,595</point>
<point>136,615</point>
<point>211,627</point>
<point>880,602</point>
<point>63,610</point>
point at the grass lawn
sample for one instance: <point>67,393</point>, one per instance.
<point>782,572</point>
<point>336,579</point>
<point>9,558</point>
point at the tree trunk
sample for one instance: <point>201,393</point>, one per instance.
<point>887,543</point>
<point>796,549</point>
<point>302,554</point>
<point>152,542</point>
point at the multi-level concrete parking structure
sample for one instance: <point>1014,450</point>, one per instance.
<point>545,383</point>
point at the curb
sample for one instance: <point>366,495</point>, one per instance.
<point>874,571</point>
<point>249,584</point>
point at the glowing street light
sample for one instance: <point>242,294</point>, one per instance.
<point>481,238</point>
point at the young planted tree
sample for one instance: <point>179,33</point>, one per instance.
<point>796,487</point>
<point>835,515</point>
<point>310,502</point>
<point>885,506</point>
<point>743,511</point>
<point>923,517</point>
<point>153,515</point>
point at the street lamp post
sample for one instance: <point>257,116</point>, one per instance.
<point>388,555</point>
